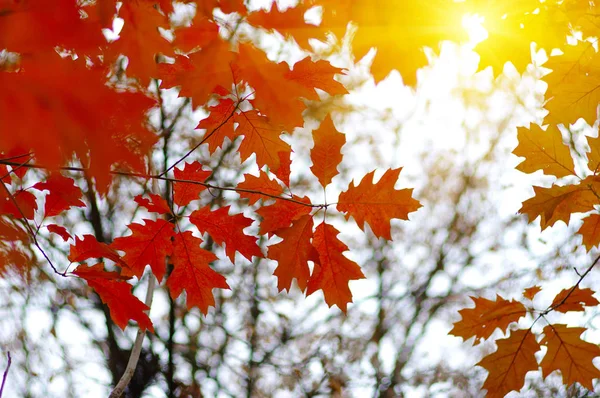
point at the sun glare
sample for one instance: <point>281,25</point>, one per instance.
<point>473,24</point>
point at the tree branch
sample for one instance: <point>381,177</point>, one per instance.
<point>137,348</point>
<point>5,373</point>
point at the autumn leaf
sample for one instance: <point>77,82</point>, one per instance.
<point>335,270</point>
<point>60,231</point>
<point>509,364</point>
<point>293,253</point>
<point>89,247</point>
<point>570,355</point>
<point>282,213</point>
<point>260,184</point>
<point>487,316</point>
<point>155,204</point>
<point>261,138</point>
<point>219,124</point>
<point>227,229</point>
<point>594,154</point>
<point>326,154</point>
<point>590,231</point>
<point>20,204</point>
<point>149,244</point>
<point>192,273</point>
<point>544,150</point>
<point>574,299</point>
<point>316,74</point>
<point>122,304</point>
<point>377,203</point>
<point>185,192</point>
<point>63,195</point>
<point>531,292</point>
<point>558,202</point>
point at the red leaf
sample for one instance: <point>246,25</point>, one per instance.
<point>377,203</point>
<point>63,195</point>
<point>282,213</point>
<point>155,204</point>
<point>319,74</point>
<point>59,230</point>
<point>193,274</point>
<point>293,253</point>
<point>218,124</point>
<point>89,247</point>
<point>122,304</point>
<point>326,154</point>
<point>148,244</point>
<point>227,229</point>
<point>185,192</point>
<point>335,270</point>
<point>262,184</point>
<point>25,205</point>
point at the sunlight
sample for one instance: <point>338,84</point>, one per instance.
<point>473,24</point>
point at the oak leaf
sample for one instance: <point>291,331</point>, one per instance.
<point>63,194</point>
<point>335,270</point>
<point>155,204</point>
<point>192,273</point>
<point>185,192</point>
<point>316,74</point>
<point>509,364</point>
<point>570,355</point>
<point>559,202</point>
<point>60,231</point>
<point>544,150</point>
<point>260,184</point>
<point>326,154</point>
<point>377,203</point>
<point>227,229</point>
<point>487,316</point>
<point>219,124</point>
<point>531,292</point>
<point>574,299</point>
<point>282,213</point>
<point>293,253</point>
<point>590,231</point>
<point>89,247</point>
<point>149,244</point>
<point>116,294</point>
<point>20,204</point>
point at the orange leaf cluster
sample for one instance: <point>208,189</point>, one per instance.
<point>515,355</point>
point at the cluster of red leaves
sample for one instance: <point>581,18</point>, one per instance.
<point>566,352</point>
<point>59,70</point>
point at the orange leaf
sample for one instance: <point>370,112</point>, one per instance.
<point>326,154</point>
<point>487,316</point>
<point>262,139</point>
<point>192,273</point>
<point>316,74</point>
<point>122,304</point>
<point>185,192</point>
<point>140,40</point>
<point>377,203</point>
<point>335,270</point>
<point>558,202</point>
<point>262,184</point>
<point>293,253</point>
<point>531,292</point>
<point>218,124</point>
<point>282,213</point>
<point>570,355</point>
<point>590,231</point>
<point>574,299</point>
<point>508,366</point>
<point>227,229</point>
<point>544,150</point>
<point>63,195</point>
<point>200,72</point>
<point>148,244</point>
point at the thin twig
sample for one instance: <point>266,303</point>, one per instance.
<point>137,348</point>
<point>5,373</point>
<point>207,185</point>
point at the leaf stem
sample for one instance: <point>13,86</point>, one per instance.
<point>5,373</point>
